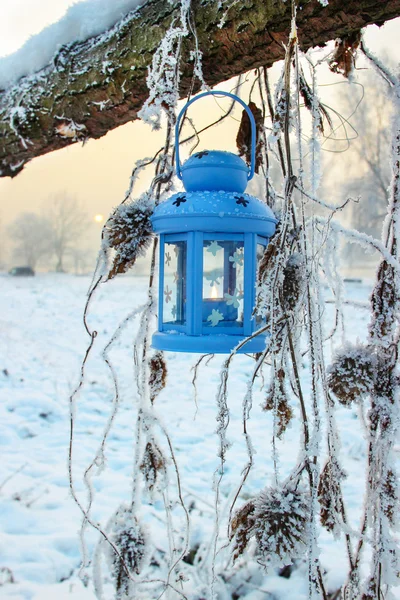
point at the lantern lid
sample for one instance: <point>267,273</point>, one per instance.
<point>214,211</point>
<point>215,170</point>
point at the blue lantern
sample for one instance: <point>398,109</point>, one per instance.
<point>211,238</point>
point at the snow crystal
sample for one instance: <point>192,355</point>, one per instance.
<point>81,22</point>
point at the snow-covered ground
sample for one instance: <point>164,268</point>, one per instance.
<point>42,344</point>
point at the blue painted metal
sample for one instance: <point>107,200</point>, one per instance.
<point>214,211</point>
<point>215,170</point>
<point>206,344</point>
<point>253,131</point>
<point>213,207</point>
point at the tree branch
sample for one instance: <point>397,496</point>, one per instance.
<point>94,86</point>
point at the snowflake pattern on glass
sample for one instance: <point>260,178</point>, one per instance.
<point>232,299</point>
<point>215,317</point>
<point>213,248</point>
<point>173,311</point>
<point>168,259</point>
<point>214,276</point>
<point>176,277</point>
<point>167,294</point>
<point>237,258</point>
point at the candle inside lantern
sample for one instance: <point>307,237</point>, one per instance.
<point>214,292</point>
<point>222,283</point>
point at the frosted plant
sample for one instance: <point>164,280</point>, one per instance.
<point>281,523</point>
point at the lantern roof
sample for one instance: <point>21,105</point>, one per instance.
<point>215,170</point>
<point>215,158</point>
<point>214,211</point>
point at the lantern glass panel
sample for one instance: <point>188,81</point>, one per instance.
<point>261,248</point>
<point>174,292</point>
<point>223,270</point>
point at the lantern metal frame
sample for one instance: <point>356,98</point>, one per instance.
<point>197,337</point>
<point>213,208</point>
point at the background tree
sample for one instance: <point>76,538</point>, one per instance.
<point>371,121</point>
<point>67,222</point>
<point>32,238</point>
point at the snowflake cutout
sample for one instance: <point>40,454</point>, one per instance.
<point>232,299</point>
<point>237,258</point>
<point>173,312</point>
<point>213,276</point>
<point>176,250</point>
<point>214,248</point>
<point>176,277</point>
<point>167,294</point>
<point>201,154</point>
<point>180,200</point>
<point>242,201</point>
<point>215,317</point>
<point>167,259</point>
<point>240,293</point>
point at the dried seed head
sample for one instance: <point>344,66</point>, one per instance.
<point>132,542</point>
<point>351,374</point>
<point>267,261</point>
<point>293,281</point>
<point>158,374</point>
<point>329,495</point>
<point>281,525</point>
<point>129,232</point>
<point>343,60</point>
<point>153,465</point>
<point>243,139</point>
<point>242,528</point>
<point>277,400</point>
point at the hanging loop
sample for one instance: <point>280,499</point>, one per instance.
<point>252,122</point>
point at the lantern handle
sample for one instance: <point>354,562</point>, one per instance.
<point>250,174</point>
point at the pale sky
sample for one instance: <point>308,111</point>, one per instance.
<point>98,173</point>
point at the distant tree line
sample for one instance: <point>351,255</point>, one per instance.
<point>50,236</point>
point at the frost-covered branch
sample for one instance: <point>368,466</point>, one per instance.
<point>96,85</point>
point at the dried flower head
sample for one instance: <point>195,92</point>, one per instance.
<point>242,528</point>
<point>281,524</point>
<point>293,281</point>
<point>243,139</point>
<point>344,56</point>
<point>129,232</point>
<point>277,400</point>
<point>351,374</point>
<point>153,465</point>
<point>329,495</point>
<point>158,374</point>
<point>132,542</point>
<point>267,261</point>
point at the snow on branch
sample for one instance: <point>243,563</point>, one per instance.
<point>99,82</point>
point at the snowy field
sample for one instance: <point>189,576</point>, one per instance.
<point>42,344</point>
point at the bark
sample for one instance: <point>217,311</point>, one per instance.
<point>94,86</point>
